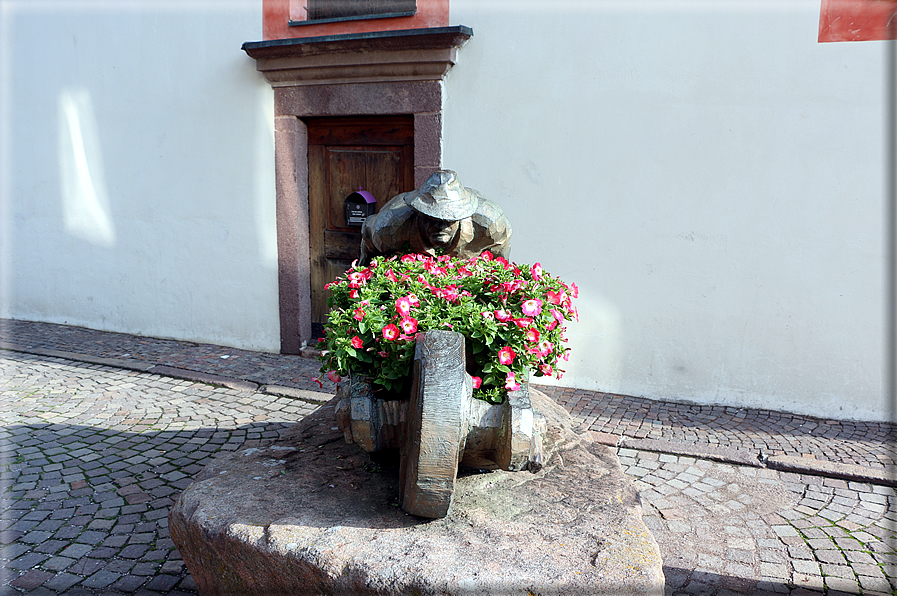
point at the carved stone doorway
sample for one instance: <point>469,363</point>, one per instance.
<point>353,76</point>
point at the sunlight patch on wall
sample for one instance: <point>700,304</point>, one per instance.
<point>265,198</point>
<point>85,202</point>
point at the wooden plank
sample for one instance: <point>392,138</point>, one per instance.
<point>316,227</point>
<point>360,130</point>
<point>342,246</point>
<point>346,174</point>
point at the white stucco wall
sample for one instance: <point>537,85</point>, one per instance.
<point>709,175</point>
<point>137,169</point>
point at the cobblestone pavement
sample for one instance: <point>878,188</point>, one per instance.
<point>258,367</point>
<point>725,529</point>
<point>870,444</point>
<point>91,458</point>
<point>774,433</point>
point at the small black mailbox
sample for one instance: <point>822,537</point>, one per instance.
<point>359,205</point>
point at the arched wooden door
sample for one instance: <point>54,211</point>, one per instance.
<point>374,153</point>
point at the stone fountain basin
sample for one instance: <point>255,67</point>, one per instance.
<point>310,514</point>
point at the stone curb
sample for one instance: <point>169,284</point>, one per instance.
<point>728,455</point>
<point>315,397</point>
<point>608,439</point>
<point>129,364</point>
<point>741,457</point>
<point>192,375</point>
<point>815,467</point>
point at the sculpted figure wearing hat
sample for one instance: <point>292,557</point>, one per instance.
<point>439,216</point>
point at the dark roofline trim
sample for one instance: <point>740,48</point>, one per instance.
<point>461,30</point>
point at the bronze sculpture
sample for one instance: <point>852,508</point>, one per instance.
<point>439,425</point>
<point>440,217</point>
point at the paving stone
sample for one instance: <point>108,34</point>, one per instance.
<point>134,551</point>
<point>57,563</point>
<point>129,583</point>
<point>163,583</point>
<point>87,566</point>
<point>848,586</point>
<point>100,579</point>
<point>27,561</point>
<point>31,580</point>
<point>62,582</point>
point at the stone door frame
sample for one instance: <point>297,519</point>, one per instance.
<point>368,74</point>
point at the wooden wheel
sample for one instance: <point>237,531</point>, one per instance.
<point>436,426</point>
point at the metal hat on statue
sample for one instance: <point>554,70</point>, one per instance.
<point>443,197</point>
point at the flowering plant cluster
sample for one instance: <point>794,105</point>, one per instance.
<point>512,317</point>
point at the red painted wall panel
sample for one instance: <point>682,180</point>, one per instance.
<point>276,16</point>
<point>857,20</point>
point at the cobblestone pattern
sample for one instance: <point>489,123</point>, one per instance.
<point>726,529</point>
<point>91,459</point>
<point>870,444</point>
<point>259,367</point>
<point>774,433</point>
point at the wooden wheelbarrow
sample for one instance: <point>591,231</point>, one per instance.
<point>441,426</point>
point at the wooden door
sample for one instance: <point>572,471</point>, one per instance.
<point>373,153</point>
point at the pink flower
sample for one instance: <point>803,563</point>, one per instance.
<point>450,293</point>
<point>558,315</point>
<point>523,322</point>
<point>532,335</point>
<point>574,291</point>
<point>353,294</point>
<point>390,275</point>
<point>545,348</point>
<point>503,315</point>
<point>357,343</point>
<point>546,369</point>
<point>506,355</point>
<point>486,255</point>
<point>331,374</point>
<point>487,315</point>
<point>413,300</point>
<point>408,325</point>
<point>318,381</point>
<point>557,297</point>
<point>511,383</point>
<point>477,382</point>
<point>403,305</point>
<point>383,354</point>
<point>359,314</point>
<point>532,307</point>
<point>537,271</point>
<point>390,332</point>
